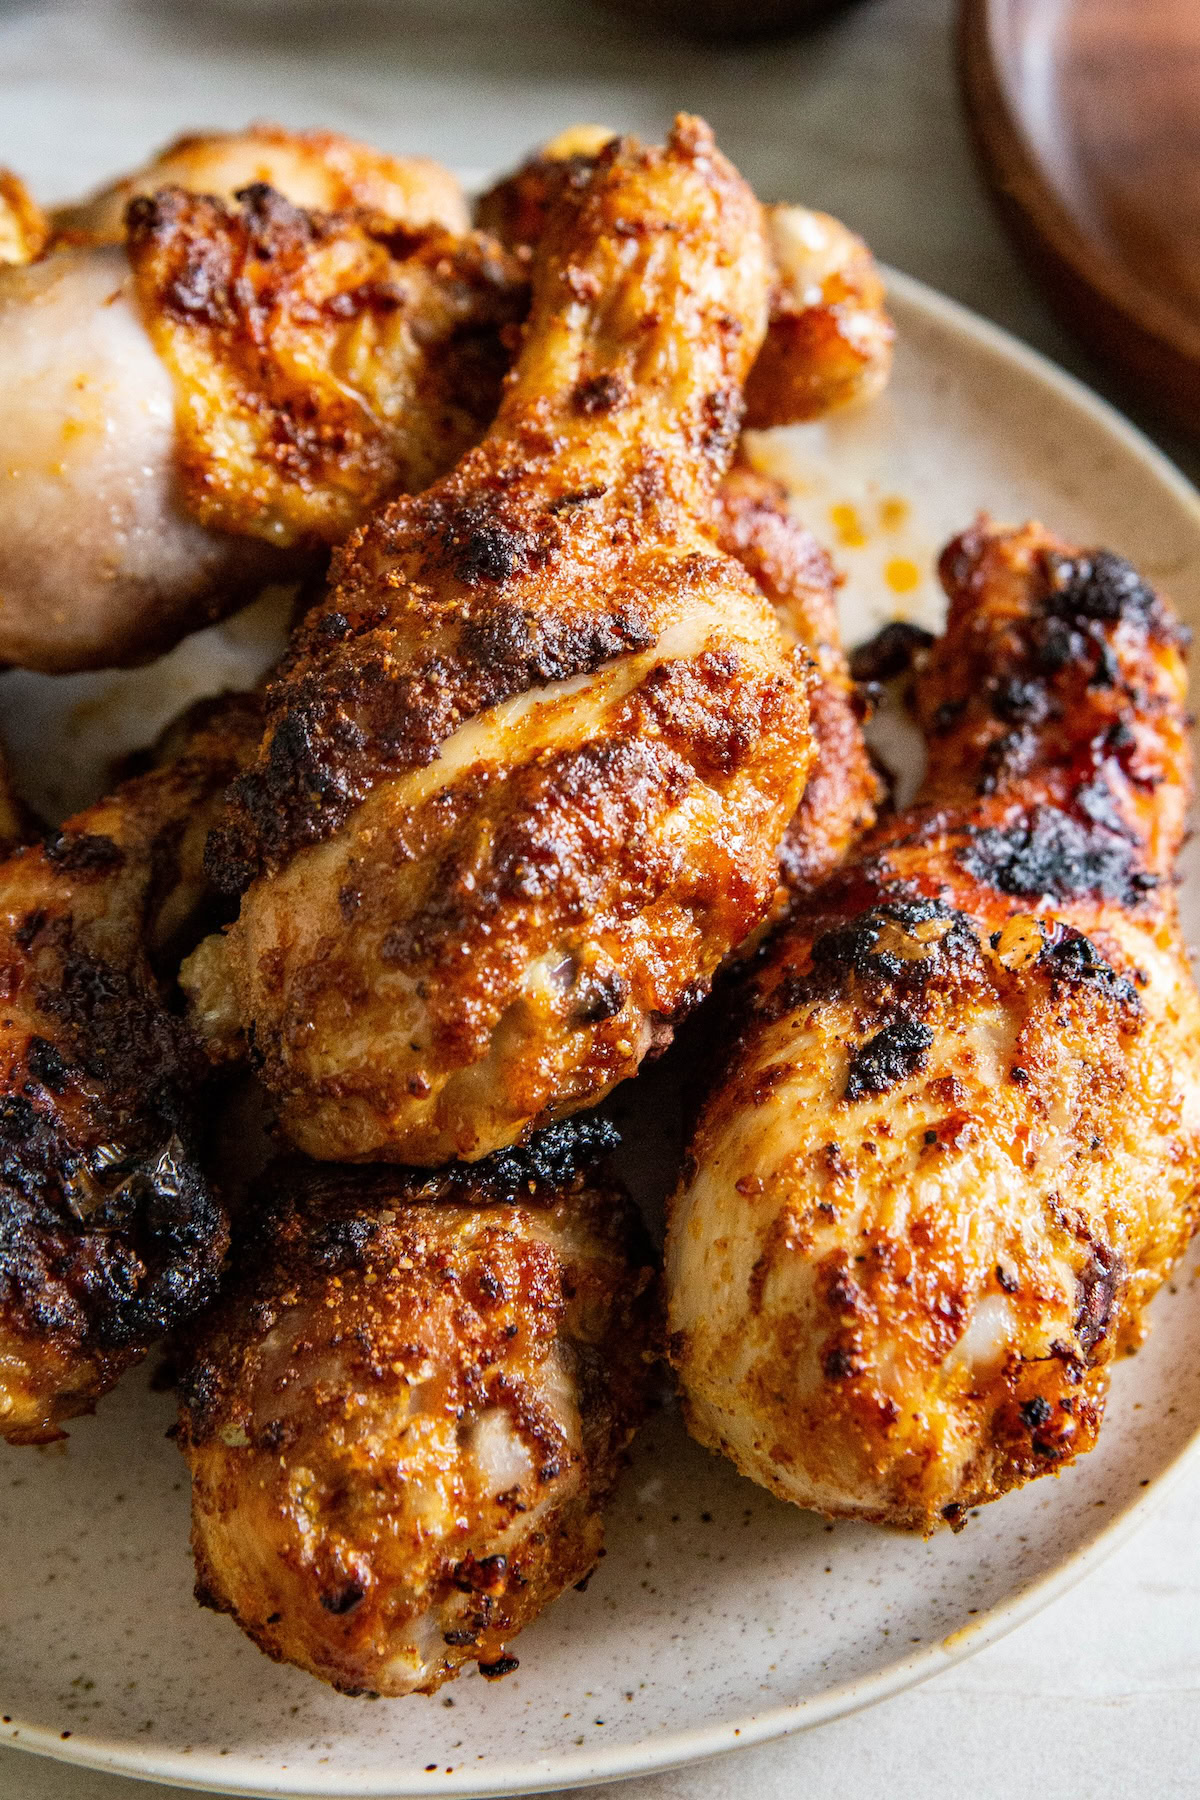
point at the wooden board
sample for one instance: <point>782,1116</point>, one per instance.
<point>1086,114</point>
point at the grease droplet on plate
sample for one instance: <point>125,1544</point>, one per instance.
<point>848,525</point>
<point>902,575</point>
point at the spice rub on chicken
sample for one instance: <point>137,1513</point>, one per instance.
<point>182,431</point>
<point>319,170</point>
<point>24,227</point>
<point>956,1145</point>
<point>794,572</point>
<point>321,361</point>
<point>527,765</point>
<point>829,339</point>
<point>109,1233</point>
<point>405,1417</point>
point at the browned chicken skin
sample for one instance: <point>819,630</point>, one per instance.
<point>322,362</point>
<point>141,501</point>
<point>957,1144</point>
<point>109,1234</point>
<point>182,433</point>
<point>796,575</point>
<point>528,764</point>
<point>829,339</point>
<point>24,227</point>
<point>321,171</point>
<point>406,1415</point>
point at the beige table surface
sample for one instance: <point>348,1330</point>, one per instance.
<point>1099,1696</point>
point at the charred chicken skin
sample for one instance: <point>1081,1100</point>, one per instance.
<point>406,1415</point>
<point>190,410</point>
<point>956,1146</point>
<point>109,1234</point>
<point>829,339</point>
<point>528,764</point>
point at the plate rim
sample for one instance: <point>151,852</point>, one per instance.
<point>212,1773</point>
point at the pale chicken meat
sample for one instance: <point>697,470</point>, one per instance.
<point>955,1147</point>
<point>199,407</point>
<point>829,339</point>
<point>109,1231</point>
<point>406,1415</point>
<point>528,762</point>
<point>99,564</point>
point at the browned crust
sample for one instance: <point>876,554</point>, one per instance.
<point>1064,1008</point>
<point>321,170</point>
<point>109,1233</point>
<point>321,361</point>
<point>373,685</point>
<point>528,765</point>
<point>1026,894</point>
<point>473,1278</point>
<point>755,525</point>
<point>530,903</point>
<point>24,227</point>
<point>1059,765</point>
<point>816,356</point>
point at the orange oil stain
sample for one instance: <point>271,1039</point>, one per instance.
<point>902,575</point>
<point>848,525</point>
<point>893,512</point>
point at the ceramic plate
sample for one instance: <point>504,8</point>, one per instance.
<point>720,1616</point>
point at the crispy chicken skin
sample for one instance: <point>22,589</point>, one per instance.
<point>24,227</point>
<point>321,362</point>
<point>797,577</point>
<point>319,170</point>
<point>180,435</point>
<point>956,1145</point>
<point>406,1415</point>
<point>829,339</point>
<point>109,1234</point>
<point>103,560</point>
<point>528,764</point>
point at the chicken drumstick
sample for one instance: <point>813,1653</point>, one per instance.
<point>406,1415</point>
<point>956,1146</point>
<point>528,763</point>
<point>109,1233</point>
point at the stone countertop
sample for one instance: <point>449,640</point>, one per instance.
<point>1100,1693</point>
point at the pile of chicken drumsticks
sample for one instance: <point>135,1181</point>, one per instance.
<point>563,742</point>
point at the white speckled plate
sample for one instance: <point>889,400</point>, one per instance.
<point>720,1616</point>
